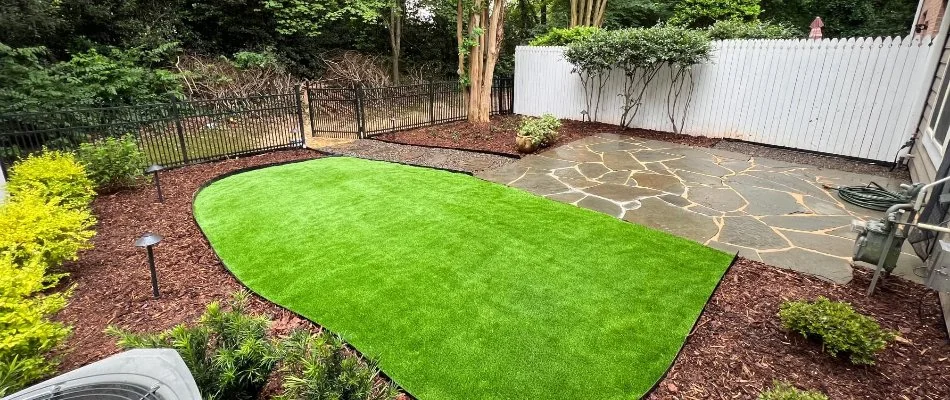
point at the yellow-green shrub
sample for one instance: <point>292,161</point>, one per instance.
<point>26,332</point>
<point>54,176</point>
<point>33,228</point>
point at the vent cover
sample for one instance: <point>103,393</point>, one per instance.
<point>142,374</point>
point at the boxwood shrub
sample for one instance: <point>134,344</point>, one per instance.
<point>838,326</point>
<point>785,391</point>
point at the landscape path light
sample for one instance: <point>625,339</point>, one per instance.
<point>147,241</point>
<point>154,170</point>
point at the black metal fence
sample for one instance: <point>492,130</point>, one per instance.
<point>365,112</point>
<point>186,132</point>
<point>171,134</point>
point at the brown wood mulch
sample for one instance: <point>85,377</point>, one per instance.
<point>112,285</point>
<point>737,349</point>
<point>499,136</point>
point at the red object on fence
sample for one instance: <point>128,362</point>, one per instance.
<point>816,26</point>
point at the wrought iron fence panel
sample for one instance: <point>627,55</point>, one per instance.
<point>171,134</point>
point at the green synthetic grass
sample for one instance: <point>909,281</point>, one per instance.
<point>461,288</point>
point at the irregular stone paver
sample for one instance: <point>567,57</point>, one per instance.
<point>593,170</point>
<point>661,182</point>
<point>603,205</point>
<point>661,215</point>
<point>721,199</point>
<point>834,269</point>
<point>540,184</point>
<point>620,193</point>
<point>773,211</point>
<point>752,233</point>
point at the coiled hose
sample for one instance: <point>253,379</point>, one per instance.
<point>873,196</point>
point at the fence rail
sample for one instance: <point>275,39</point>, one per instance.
<point>171,134</point>
<point>365,112</point>
<point>186,132</point>
<point>853,97</point>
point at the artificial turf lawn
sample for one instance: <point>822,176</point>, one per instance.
<point>462,288</point>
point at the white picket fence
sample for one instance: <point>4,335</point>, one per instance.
<point>856,97</point>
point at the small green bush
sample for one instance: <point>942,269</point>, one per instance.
<point>31,227</point>
<point>784,391</point>
<point>112,163</point>
<point>27,332</point>
<point>737,29</point>
<point>227,351</point>
<point>319,367</point>
<point>542,131</point>
<point>55,176</point>
<point>838,326</point>
<point>563,36</point>
<point>252,59</point>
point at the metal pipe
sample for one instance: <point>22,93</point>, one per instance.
<point>151,268</point>
<point>922,194</point>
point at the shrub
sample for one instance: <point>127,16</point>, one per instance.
<point>27,333</point>
<point>838,326</point>
<point>736,29</point>
<point>784,391</point>
<point>563,36</point>
<point>31,227</point>
<point>250,59</point>
<point>227,351</point>
<point>54,176</point>
<point>112,163</point>
<point>542,131</point>
<point>318,367</point>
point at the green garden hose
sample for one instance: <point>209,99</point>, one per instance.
<point>875,197</point>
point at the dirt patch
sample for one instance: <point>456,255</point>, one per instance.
<point>814,159</point>
<point>499,136</point>
<point>112,285</point>
<point>739,345</point>
<point>736,350</point>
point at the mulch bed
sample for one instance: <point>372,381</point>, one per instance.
<point>112,285</point>
<point>737,349</point>
<point>739,346</point>
<point>499,136</point>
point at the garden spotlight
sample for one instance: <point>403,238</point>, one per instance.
<point>148,240</point>
<point>154,170</point>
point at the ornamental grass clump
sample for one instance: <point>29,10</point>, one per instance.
<point>840,328</point>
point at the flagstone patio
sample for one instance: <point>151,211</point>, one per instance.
<point>765,210</point>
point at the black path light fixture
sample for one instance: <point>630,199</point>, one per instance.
<point>154,170</point>
<point>147,241</point>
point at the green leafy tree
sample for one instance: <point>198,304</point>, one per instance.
<point>735,29</point>
<point>845,18</point>
<point>703,13</point>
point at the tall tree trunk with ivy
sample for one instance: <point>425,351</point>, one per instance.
<point>479,44</point>
<point>588,12</point>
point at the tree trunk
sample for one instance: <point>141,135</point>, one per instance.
<point>588,12</point>
<point>395,37</point>
<point>482,57</point>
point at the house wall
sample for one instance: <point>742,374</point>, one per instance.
<point>923,164</point>
<point>931,13</point>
